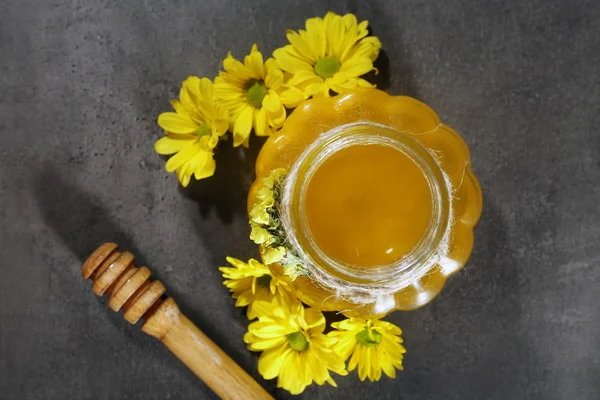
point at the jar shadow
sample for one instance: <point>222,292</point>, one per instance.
<point>471,331</point>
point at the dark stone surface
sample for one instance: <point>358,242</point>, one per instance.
<point>81,84</point>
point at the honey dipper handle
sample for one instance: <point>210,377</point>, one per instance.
<point>131,289</point>
<point>211,364</point>
<point>202,355</point>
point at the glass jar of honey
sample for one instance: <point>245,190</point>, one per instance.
<point>378,201</point>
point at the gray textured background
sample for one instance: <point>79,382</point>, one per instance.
<point>81,85</point>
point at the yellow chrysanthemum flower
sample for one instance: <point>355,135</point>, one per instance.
<point>251,282</point>
<point>250,91</point>
<point>192,131</point>
<point>295,350</point>
<point>374,345</point>
<point>331,54</point>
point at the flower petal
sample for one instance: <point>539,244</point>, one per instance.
<point>320,88</point>
<point>274,78</point>
<point>292,97</point>
<point>272,361</point>
<point>225,90</point>
<point>276,119</point>
<point>301,46</point>
<point>388,369</point>
<point>243,126</point>
<point>288,377</point>
<point>178,107</point>
<point>364,364</point>
<point>345,345</point>
<point>184,175</point>
<point>260,122</point>
<point>334,26</point>
<point>205,166</point>
<point>355,358</point>
<point>267,343</point>
<point>271,256</point>
<point>179,159</point>
<point>316,37</point>
<point>259,235</point>
<point>259,215</point>
<point>304,77</point>
<point>315,320</point>
<point>170,145</point>
<point>290,63</point>
<point>205,87</point>
<point>357,66</point>
<point>271,102</point>
<point>175,123</point>
<point>254,63</point>
<point>192,86</point>
<point>236,72</point>
<point>368,47</point>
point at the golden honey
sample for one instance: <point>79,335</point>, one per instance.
<point>368,205</point>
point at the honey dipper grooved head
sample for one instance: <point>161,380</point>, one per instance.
<point>129,287</point>
<point>97,258</point>
<point>112,273</point>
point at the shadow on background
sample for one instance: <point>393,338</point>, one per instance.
<point>226,192</point>
<point>473,326</point>
<point>82,223</point>
<point>381,77</point>
<point>79,218</point>
<point>405,84</point>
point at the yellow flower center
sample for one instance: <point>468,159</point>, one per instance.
<point>204,130</point>
<point>255,92</point>
<point>297,341</point>
<point>326,67</point>
<point>367,339</point>
<point>264,281</point>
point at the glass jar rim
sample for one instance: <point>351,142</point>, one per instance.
<point>404,271</point>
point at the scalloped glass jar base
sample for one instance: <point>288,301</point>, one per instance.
<point>329,145</point>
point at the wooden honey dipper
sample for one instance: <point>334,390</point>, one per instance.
<point>130,288</point>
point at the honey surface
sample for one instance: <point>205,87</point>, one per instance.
<point>368,205</point>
